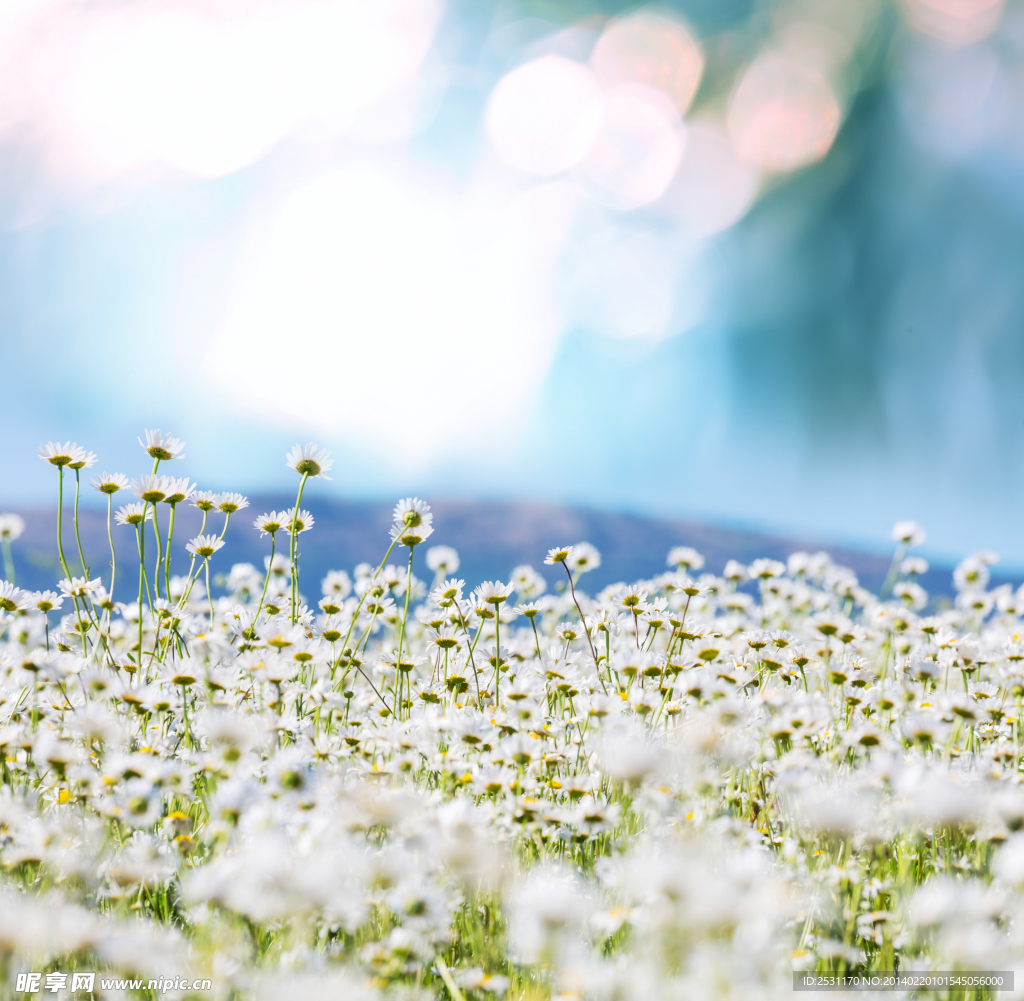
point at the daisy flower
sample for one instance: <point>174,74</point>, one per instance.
<point>162,447</point>
<point>204,545</point>
<point>178,489</point>
<point>150,488</point>
<point>272,522</point>
<point>558,555</point>
<point>78,587</point>
<point>47,601</point>
<point>109,483</point>
<point>493,592</point>
<point>132,514</point>
<point>309,460</point>
<point>205,500</point>
<point>11,527</point>
<point>413,512</point>
<point>12,598</point>
<point>409,535</point>
<point>62,455</point>
<point>229,503</point>
<point>298,523</point>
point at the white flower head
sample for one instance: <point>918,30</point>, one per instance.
<point>272,522</point>
<point>47,601</point>
<point>410,535</point>
<point>412,513</point>
<point>12,598</point>
<point>205,500</point>
<point>204,545</point>
<point>560,554</point>
<point>685,558</point>
<point>442,559</point>
<point>83,461</point>
<point>57,454</point>
<point>178,490</point>
<point>493,592</point>
<point>150,488</point>
<point>298,523</point>
<point>309,460</point>
<point>584,558</point>
<point>79,587</point>
<point>161,446</point>
<point>109,483</point>
<point>132,514</point>
<point>11,527</point>
<point>229,503</point>
<point>909,533</point>
<point>337,583</point>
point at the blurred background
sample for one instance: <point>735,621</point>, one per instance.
<point>748,263</point>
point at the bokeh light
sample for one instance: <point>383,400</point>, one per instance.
<point>713,187</point>
<point>954,22</point>
<point>783,114</point>
<point>543,117</point>
<point>650,49</point>
<point>317,305</point>
<point>637,151</point>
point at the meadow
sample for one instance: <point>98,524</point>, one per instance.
<point>392,783</point>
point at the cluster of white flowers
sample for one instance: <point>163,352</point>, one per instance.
<point>684,787</point>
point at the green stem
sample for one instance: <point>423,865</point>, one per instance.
<point>894,568</point>
<point>362,598</point>
<point>140,539</point>
<point>167,557</point>
<point>586,629</point>
<point>536,638</point>
<point>159,551</point>
<point>113,555</point>
<point>78,538</point>
<point>60,520</point>
<point>266,582</point>
<point>465,629</point>
<point>8,561</point>
<point>405,617</point>
<point>497,656</point>
<point>294,552</point>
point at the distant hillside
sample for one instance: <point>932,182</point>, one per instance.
<point>491,539</point>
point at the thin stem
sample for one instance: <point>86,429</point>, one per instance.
<point>586,629</point>
<point>476,676</point>
<point>362,598</point>
<point>167,558</point>
<point>294,553</point>
<point>159,551</point>
<point>8,560</point>
<point>405,617</point>
<point>270,570</point>
<point>497,656</point>
<point>78,538</point>
<point>893,573</point>
<point>60,519</point>
<point>113,555</point>
<point>536,638</point>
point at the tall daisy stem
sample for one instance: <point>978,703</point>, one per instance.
<point>294,551</point>
<point>60,521</point>
<point>78,538</point>
<point>113,555</point>
<point>401,635</point>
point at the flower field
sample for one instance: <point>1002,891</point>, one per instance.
<point>393,783</point>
